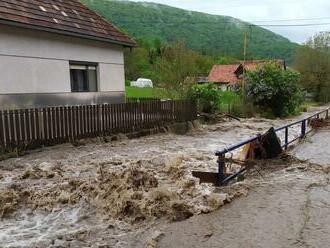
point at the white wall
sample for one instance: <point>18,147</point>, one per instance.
<point>29,75</point>
<point>38,62</point>
<point>112,73</point>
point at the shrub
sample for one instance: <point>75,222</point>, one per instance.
<point>207,97</point>
<point>274,89</point>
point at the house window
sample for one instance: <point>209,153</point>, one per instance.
<point>83,77</point>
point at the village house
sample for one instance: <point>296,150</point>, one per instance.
<point>59,53</point>
<point>228,77</point>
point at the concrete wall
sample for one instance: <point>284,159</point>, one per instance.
<point>36,62</point>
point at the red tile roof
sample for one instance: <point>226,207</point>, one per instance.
<point>223,74</point>
<point>253,64</point>
<point>229,73</point>
<point>69,17</point>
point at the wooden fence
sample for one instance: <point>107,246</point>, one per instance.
<point>54,125</point>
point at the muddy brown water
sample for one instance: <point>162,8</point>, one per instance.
<point>128,193</point>
<point>290,208</point>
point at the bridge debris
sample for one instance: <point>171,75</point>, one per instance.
<point>266,146</point>
<point>318,123</point>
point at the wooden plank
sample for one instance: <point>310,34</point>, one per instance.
<point>69,121</point>
<point>38,131</point>
<point>108,109</point>
<point>62,123</point>
<point>207,177</point>
<point>122,110</point>
<point>95,120</point>
<point>12,127</point>
<point>58,124</point>
<point>2,135</point>
<point>103,119</point>
<point>44,124</point>
<point>77,121</point>
<point>82,122</point>
<point>116,117</point>
<point>53,124</point>
<point>87,117</point>
<point>17,127</point>
<point>111,117</point>
<point>23,123</point>
<point>6,127</point>
<point>66,123</point>
<point>50,124</point>
<point>89,110</point>
<point>74,122</point>
<point>28,125</point>
<point>125,121</point>
<point>33,126</point>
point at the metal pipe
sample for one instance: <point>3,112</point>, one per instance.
<point>286,138</point>
<point>303,128</point>
<point>234,147</point>
<point>231,177</point>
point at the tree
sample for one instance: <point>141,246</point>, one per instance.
<point>207,97</point>
<point>177,69</point>
<point>274,89</point>
<point>313,62</point>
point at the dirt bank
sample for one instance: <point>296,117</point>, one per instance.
<point>114,194</point>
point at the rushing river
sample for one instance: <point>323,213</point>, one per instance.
<point>113,194</point>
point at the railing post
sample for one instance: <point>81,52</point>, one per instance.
<point>221,168</point>
<point>286,138</point>
<point>327,114</point>
<point>303,128</point>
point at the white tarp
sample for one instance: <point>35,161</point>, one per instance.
<point>142,83</point>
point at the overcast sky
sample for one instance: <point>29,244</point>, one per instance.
<point>264,10</point>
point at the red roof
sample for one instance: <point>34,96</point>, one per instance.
<point>254,64</point>
<point>69,17</point>
<point>223,74</point>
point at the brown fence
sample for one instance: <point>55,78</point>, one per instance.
<point>55,125</point>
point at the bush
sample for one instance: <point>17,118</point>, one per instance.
<point>274,89</point>
<point>127,83</point>
<point>207,97</point>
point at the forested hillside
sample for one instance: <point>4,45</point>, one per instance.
<point>208,34</point>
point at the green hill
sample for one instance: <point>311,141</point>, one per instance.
<point>209,34</point>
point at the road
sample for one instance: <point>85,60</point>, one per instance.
<point>289,208</point>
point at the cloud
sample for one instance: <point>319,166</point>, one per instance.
<point>264,10</point>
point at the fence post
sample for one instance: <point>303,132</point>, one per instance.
<point>327,114</point>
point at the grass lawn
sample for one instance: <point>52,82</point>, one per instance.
<point>134,92</point>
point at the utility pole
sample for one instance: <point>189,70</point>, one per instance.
<point>245,45</point>
<point>244,60</point>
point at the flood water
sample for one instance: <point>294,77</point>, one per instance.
<point>126,193</point>
<point>286,208</point>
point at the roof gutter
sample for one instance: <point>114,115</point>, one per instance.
<point>66,33</point>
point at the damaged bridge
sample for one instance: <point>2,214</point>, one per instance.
<point>269,145</point>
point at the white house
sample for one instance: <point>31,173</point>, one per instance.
<point>59,53</point>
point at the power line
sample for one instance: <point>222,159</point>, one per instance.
<point>291,20</point>
<point>233,22</point>
<point>230,5</point>
<point>293,25</point>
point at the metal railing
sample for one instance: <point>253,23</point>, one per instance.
<point>287,141</point>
